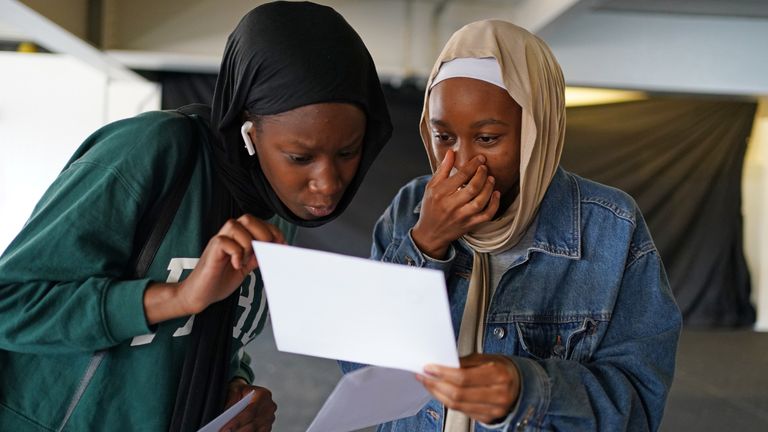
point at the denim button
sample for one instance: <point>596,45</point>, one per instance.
<point>432,413</point>
<point>521,425</point>
<point>499,333</point>
<point>558,350</point>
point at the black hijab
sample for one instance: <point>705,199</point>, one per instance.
<point>282,56</point>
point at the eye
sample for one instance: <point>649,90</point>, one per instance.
<point>487,139</point>
<point>351,153</point>
<point>442,138</point>
<point>299,159</point>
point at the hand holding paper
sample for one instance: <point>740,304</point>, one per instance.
<point>216,424</point>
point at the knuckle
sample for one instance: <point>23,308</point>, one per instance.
<point>458,395</point>
<point>465,215</point>
<point>498,412</point>
<point>452,394</point>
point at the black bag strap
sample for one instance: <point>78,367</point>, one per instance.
<point>155,223</point>
<point>202,388</point>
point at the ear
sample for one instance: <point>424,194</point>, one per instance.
<point>247,126</point>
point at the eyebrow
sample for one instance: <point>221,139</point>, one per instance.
<point>305,146</point>
<point>489,121</point>
<point>475,125</point>
<point>437,122</point>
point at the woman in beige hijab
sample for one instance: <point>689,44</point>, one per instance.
<point>564,315</point>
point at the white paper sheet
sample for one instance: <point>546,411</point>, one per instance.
<point>354,309</point>
<point>216,424</point>
<point>370,396</point>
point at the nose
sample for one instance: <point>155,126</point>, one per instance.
<point>326,181</point>
<point>464,153</point>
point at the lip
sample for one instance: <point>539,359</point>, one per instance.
<point>320,211</point>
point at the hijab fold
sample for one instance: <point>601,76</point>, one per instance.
<point>534,80</point>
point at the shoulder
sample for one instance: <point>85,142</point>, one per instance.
<point>155,124</point>
<point>415,187</point>
<point>169,122</point>
<point>598,197</point>
<point>144,152</point>
<point>403,211</point>
<point>145,136</point>
<point>614,212</point>
<point>408,198</point>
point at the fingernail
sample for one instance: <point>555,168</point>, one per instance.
<point>482,158</point>
<point>492,180</point>
<point>430,369</point>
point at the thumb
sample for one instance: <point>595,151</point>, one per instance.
<point>475,359</point>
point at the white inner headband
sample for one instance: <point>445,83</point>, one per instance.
<point>484,69</point>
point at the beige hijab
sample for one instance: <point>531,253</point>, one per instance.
<point>534,80</point>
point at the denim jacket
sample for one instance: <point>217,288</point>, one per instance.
<point>586,313</point>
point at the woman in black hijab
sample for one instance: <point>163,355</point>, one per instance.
<point>299,83</point>
<point>283,56</point>
<point>96,278</point>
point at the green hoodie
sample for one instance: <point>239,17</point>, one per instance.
<point>63,295</point>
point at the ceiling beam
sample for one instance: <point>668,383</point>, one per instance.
<point>53,37</point>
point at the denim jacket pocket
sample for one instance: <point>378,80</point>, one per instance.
<point>573,339</point>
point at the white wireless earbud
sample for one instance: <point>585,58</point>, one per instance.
<point>247,138</point>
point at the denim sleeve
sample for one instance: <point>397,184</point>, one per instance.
<point>625,384</point>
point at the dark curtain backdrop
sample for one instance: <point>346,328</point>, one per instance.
<point>681,159</point>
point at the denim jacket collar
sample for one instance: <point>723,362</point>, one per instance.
<point>560,207</point>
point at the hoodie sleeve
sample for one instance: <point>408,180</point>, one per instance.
<point>60,286</point>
